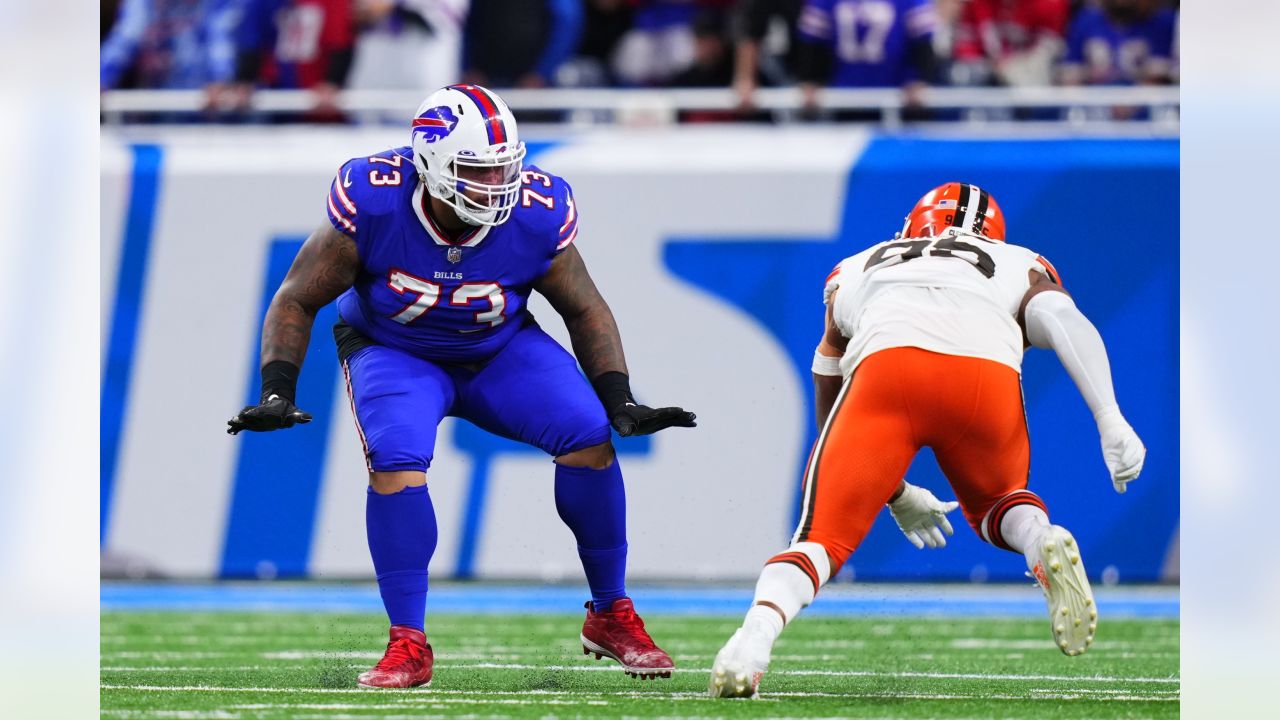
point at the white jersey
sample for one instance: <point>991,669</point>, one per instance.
<point>957,294</point>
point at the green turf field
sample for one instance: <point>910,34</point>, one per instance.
<point>303,666</point>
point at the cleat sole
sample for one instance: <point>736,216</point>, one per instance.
<point>732,684</point>
<point>362,686</point>
<point>590,648</point>
<point>1067,593</point>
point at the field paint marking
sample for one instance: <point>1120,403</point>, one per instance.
<point>176,714</point>
<point>1103,691</point>
<point>425,704</point>
<point>614,668</point>
<point>1012,644</point>
<point>846,673</point>
<point>426,694</point>
<point>160,654</point>
<point>979,696</point>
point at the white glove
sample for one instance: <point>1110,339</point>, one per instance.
<point>1123,452</point>
<point>921,517</point>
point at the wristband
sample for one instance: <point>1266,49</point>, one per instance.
<point>280,377</point>
<point>825,365</point>
<point>614,389</point>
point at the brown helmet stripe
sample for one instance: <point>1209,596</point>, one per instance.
<point>980,217</point>
<point>962,206</point>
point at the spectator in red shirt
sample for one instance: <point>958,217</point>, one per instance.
<point>1008,42</point>
<point>304,44</point>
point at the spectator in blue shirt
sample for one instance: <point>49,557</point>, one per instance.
<point>170,44</point>
<point>867,44</point>
<point>1123,42</point>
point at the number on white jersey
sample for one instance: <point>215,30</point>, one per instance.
<point>947,246</point>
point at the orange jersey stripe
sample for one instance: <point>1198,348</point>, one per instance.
<point>1053,272</point>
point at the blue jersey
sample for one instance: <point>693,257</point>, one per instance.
<point>870,39</point>
<point>1121,54</point>
<point>442,299</point>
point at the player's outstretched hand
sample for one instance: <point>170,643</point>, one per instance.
<point>1122,450</point>
<point>274,413</point>
<point>922,517</point>
<point>631,419</point>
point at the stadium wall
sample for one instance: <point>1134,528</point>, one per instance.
<point>711,246</point>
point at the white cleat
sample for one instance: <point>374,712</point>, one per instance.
<point>739,665</point>
<point>1054,563</point>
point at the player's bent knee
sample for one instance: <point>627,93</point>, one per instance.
<point>596,457</point>
<point>387,483</point>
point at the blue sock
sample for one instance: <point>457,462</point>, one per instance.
<point>402,536</point>
<point>593,504</point>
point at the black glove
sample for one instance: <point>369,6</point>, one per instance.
<point>274,413</point>
<point>630,418</point>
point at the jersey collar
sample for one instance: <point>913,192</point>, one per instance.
<point>471,238</point>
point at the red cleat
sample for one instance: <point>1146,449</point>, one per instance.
<point>619,634</point>
<point>407,662</point>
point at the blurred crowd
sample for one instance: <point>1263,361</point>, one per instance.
<point>229,48</point>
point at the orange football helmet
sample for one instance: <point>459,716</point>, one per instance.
<point>958,205</point>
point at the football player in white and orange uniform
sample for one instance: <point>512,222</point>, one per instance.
<point>923,347</point>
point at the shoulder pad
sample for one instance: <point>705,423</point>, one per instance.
<point>549,209</point>
<point>369,186</point>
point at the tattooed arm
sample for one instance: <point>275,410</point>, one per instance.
<point>598,347</point>
<point>326,265</point>
<point>592,329</point>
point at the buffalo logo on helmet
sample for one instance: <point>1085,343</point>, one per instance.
<point>435,124</point>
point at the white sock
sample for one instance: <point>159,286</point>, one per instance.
<point>1021,525</point>
<point>764,620</point>
<point>786,586</point>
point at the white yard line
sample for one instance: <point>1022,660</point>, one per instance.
<point>614,668</point>
<point>846,673</point>
<point>429,696</point>
<point>1038,644</point>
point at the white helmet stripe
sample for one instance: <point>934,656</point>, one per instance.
<point>971,209</point>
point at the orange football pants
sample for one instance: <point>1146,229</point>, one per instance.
<point>968,410</point>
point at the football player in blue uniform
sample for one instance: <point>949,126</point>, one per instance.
<point>431,252</point>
